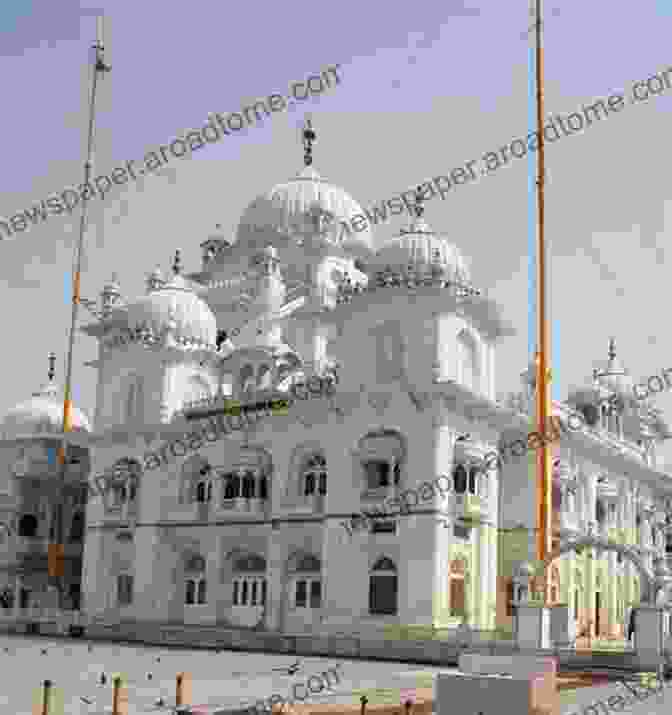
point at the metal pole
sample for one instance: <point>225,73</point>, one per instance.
<point>544,537</point>
<point>47,697</point>
<point>99,67</point>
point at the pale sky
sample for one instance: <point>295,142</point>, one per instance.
<point>422,91</point>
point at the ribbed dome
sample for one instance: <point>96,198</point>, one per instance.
<point>304,208</point>
<point>418,246</point>
<point>42,414</point>
<point>174,306</point>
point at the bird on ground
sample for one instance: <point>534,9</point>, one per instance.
<point>149,676</point>
<point>293,669</point>
<point>103,679</point>
<point>86,700</point>
<point>43,651</point>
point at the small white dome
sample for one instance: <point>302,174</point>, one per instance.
<point>615,378</point>
<point>420,247</point>
<point>304,208</point>
<point>174,306</point>
<point>42,414</point>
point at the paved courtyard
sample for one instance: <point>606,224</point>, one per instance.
<point>226,679</point>
<point>219,679</point>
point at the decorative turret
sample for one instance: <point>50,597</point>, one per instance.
<point>270,289</point>
<point>309,137</point>
<point>155,280</point>
<point>110,297</point>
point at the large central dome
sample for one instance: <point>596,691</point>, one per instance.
<point>306,209</point>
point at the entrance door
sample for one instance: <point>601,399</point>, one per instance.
<point>457,597</point>
<point>598,596</point>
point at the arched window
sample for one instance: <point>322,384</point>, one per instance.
<point>196,481</point>
<point>381,454</point>
<point>307,581</point>
<point>264,378</point>
<point>467,356</point>
<point>28,526</point>
<point>232,485</point>
<point>77,528</point>
<point>124,589</point>
<point>135,401</point>
<point>195,582</point>
<point>314,476</point>
<point>473,480</point>
<point>383,587</point>
<point>246,378</point>
<point>460,479</point>
<point>248,484</point>
<point>600,511</point>
<point>510,596</point>
<point>249,581</point>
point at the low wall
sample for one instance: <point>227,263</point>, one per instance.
<point>430,652</point>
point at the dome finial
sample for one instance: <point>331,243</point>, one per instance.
<point>612,348</point>
<point>52,362</point>
<point>177,263</point>
<point>309,137</point>
<point>419,198</point>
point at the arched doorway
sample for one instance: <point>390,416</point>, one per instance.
<point>589,607</point>
<point>457,589</point>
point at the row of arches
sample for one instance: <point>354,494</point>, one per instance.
<point>28,527</point>
<point>250,579</point>
<point>381,455</point>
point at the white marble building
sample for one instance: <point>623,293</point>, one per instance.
<point>247,530</point>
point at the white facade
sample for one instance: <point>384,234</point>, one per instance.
<point>248,529</point>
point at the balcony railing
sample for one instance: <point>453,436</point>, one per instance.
<point>241,505</point>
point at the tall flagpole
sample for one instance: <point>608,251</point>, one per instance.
<point>56,550</point>
<point>544,462</point>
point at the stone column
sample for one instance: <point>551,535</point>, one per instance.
<point>493,536</point>
<point>474,606</point>
<point>17,594</point>
<point>274,595</point>
<point>612,617</point>
<point>483,575</point>
<point>591,497</point>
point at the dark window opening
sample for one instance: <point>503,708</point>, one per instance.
<point>28,526</point>
<point>377,474</point>
<point>232,488</point>
<point>301,594</point>
<point>473,473</point>
<point>190,593</point>
<point>460,479</point>
<point>77,528</point>
<point>248,485</point>
<point>315,594</point>
<point>384,527</point>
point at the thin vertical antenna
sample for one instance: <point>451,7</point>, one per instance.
<point>544,463</point>
<point>99,67</point>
